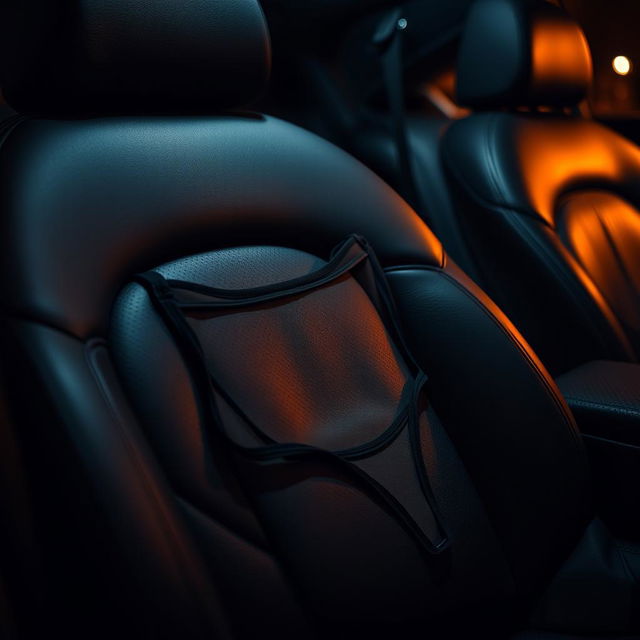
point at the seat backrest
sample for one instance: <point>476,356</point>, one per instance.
<point>377,148</point>
<point>157,522</point>
<point>548,198</point>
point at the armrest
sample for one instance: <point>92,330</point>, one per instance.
<point>605,399</point>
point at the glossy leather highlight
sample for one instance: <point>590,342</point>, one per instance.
<point>547,207</point>
<point>240,187</point>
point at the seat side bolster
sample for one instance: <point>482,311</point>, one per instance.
<point>503,429</point>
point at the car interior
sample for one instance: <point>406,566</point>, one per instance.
<point>320,319</point>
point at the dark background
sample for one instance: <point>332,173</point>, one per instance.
<point>612,28</point>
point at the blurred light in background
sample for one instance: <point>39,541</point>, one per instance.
<point>621,65</point>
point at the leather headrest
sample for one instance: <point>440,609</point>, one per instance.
<point>518,53</point>
<point>132,56</point>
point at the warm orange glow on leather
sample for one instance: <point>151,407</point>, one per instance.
<point>559,155</point>
<point>560,55</point>
<point>603,232</point>
<point>297,368</point>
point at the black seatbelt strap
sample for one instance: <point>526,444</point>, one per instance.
<point>388,40</point>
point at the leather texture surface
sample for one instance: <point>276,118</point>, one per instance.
<point>89,204</point>
<point>517,53</point>
<point>208,200</point>
<point>124,56</point>
<point>528,162</point>
<point>548,201</point>
<point>605,398</point>
<point>547,208</point>
<point>146,522</point>
<point>377,148</point>
<point>99,487</point>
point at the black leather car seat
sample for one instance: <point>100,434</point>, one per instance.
<point>548,199</point>
<point>153,520</point>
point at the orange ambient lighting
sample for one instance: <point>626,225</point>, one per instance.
<point>621,65</point>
